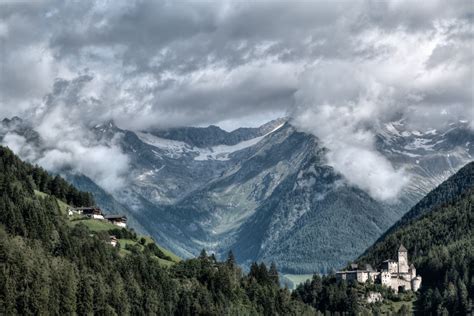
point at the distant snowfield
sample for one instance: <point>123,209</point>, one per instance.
<point>171,147</point>
<point>416,140</point>
<point>176,149</point>
<point>222,152</point>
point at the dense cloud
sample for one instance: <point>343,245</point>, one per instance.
<point>68,144</point>
<point>338,68</point>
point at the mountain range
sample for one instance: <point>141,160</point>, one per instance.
<point>267,193</point>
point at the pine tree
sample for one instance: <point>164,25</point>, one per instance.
<point>231,260</point>
<point>49,266</point>
<point>273,274</point>
<point>203,254</point>
<point>85,294</point>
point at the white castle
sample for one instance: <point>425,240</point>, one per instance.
<point>394,274</point>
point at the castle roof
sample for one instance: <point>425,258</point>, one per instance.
<point>412,266</point>
<point>402,249</point>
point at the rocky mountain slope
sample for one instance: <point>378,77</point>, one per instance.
<point>268,193</point>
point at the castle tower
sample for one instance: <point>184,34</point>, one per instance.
<point>412,271</point>
<point>416,283</point>
<point>402,260</point>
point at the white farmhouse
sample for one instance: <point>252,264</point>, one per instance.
<point>118,220</point>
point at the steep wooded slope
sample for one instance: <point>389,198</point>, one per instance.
<point>439,235</point>
<point>50,267</point>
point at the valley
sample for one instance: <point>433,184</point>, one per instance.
<point>266,193</point>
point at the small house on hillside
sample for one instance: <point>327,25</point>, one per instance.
<point>119,220</point>
<point>113,241</point>
<point>90,211</point>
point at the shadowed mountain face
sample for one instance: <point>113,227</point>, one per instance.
<point>268,193</point>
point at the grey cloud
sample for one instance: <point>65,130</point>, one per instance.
<point>343,102</point>
<point>66,143</point>
<point>169,42</point>
<point>343,110</point>
<point>173,63</point>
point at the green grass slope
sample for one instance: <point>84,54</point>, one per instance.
<point>95,225</point>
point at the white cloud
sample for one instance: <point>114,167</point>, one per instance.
<point>344,66</point>
<point>341,109</point>
<point>344,101</point>
<point>20,146</point>
<point>67,143</point>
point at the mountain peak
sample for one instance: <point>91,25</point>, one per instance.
<point>106,127</point>
<point>11,122</point>
<point>204,137</point>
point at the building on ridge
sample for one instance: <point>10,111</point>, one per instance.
<point>398,275</point>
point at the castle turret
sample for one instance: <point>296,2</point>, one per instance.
<point>402,260</point>
<point>416,283</point>
<point>412,271</point>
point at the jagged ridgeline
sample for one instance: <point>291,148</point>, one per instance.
<point>266,193</point>
<point>48,266</point>
<point>439,235</point>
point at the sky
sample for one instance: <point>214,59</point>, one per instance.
<point>337,69</point>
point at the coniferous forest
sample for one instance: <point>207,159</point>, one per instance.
<point>48,267</point>
<point>439,235</point>
<point>236,158</point>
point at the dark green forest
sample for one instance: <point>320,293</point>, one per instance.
<point>48,267</point>
<point>439,235</point>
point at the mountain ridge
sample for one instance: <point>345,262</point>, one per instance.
<point>273,196</point>
<point>213,135</point>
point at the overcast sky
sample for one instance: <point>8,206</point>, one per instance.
<point>162,63</point>
<point>336,68</point>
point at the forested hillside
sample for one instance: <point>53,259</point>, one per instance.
<point>439,235</point>
<point>48,266</point>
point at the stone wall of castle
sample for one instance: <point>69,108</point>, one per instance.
<point>394,274</point>
<point>402,262</point>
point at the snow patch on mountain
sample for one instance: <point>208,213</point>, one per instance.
<point>176,149</point>
<point>172,148</point>
<point>222,152</point>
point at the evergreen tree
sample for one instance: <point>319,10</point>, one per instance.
<point>231,263</point>
<point>48,266</point>
<point>273,274</point>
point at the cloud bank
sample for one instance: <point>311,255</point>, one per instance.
<point>337,68</point>
<point>66,142</point>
